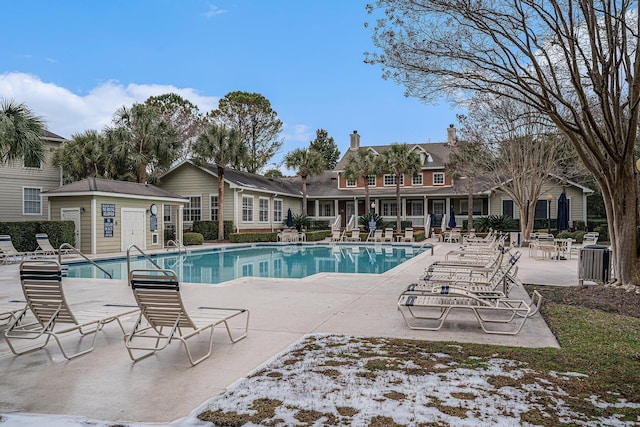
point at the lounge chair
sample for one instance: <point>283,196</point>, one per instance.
<point>9,310</point>
<point>354,236</point>
<point>8,251</point>
<point>429,311</point>
<point>157,293</point>
<point>336,236</point>
<point>45,247</point>
<point>408,235</point>
<point>388,235</point>
<point>52,316</point>
<point>376,236</point>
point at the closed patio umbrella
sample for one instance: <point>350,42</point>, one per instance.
<point>562,220</point>
<point>452,218</point>
<point>289,218</point>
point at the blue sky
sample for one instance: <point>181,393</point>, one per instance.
<point>75,62</point>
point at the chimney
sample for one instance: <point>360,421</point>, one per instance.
<point>355,141</point>
<point>451,135</point>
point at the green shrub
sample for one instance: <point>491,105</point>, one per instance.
<point>318,224</point>
<point>419,235</point>
<point>495,222</point>
<point>169,233</point>
<point>193,239</point>
<point>301,221</point>
<point>593,223</point>
<point>579,225</point>
<point>23,233</point>
<point>406,224</point>
<point>381,224</point>
<point>603,231</point>
<point>209,229</point>
<point>315,236</point>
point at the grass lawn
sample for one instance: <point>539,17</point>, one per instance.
<point>593,379</point>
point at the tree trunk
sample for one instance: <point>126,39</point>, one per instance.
<point>304,195</point>
<point>367,204</point>
<point>469,204</point>
<point>142,174</point>
<point>220,203</point>
<point>622,217</point>
<point>398,224</point>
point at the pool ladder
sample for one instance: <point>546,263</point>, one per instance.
<point>144,255</point>
<point>77,252</point>
<point>178,245</point>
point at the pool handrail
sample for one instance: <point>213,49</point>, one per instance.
<point>68,246</point>
<point>129,261</point>
<point>422,247</point>
<point>177,244</point>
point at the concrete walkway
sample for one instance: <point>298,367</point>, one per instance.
<point>105,384</point>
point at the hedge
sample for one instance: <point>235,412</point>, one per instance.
<point>23,233</point>
<point>209,229</point>
<point>193,239</point>
<point>269,236</point>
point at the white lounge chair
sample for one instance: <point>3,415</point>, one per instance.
<point>408,235</point>
<point>46,248</point>
<point>429,311</point>
<point>388,235</point>
<point>157,293</point>
<point>8,251</point>
<point>354,236</point>
<point>42,287</point>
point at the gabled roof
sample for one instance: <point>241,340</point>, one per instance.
<point>50,136</point>
<point>438,151</point>
<point>557,177</point>
<point>248,181</point>
<point>95,186</point>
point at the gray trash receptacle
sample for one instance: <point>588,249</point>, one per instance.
<point>594,264</point>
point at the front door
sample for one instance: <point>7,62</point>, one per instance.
<point>73,214</point>
<point>351,210</point>
<point>438,212</point>
<point>133,228</point>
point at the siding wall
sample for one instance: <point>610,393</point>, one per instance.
<point>14,177</point>
<point>108,244</point>
<point>574,194</point>
<point>188,180</point>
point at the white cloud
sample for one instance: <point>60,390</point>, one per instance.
<point>67,113</point>
<point>213,11</point>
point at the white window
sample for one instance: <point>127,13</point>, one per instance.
<point>326,208</point>
<point>263,209</point>
<point>263,266</point>
<point>31,201</point>
<point>438,178</point>
<point>389,209</point>
<point>371,180</point>
<point>390,179</point>
<point>214,208</point>
<point>351,183</point>
<point>247,208</point>
<point>166,213</point>
<point>192,210</point>
<point>477,207</point>
<point>415,207</point>
<point>277,210</point>
<point>417,180</point>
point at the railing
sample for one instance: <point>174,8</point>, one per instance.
<point>68,246</point>
<point>129,261</point>
<point>336,223</point>
<point>422,247</point>
<point>352,223</point>
<point>177,244</point>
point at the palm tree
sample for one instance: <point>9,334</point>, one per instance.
<point>363,164</point>
<point>400,159</point>
<point>20,134</point>
<point>144,139</point>
<point>308,163</point>
<point>221,146</point>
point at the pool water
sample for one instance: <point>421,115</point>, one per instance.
<point>276,261</point>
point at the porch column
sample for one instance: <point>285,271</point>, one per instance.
<point>403,203</point>
<point>317,208</point>
<point>180,224</point>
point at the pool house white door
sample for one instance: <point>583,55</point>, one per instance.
<point>73,214</point>
<point>133,228</point>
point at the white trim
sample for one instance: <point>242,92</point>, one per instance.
<point>94,232</point>
<point>351,182</point>
<point>273,210</point>
<point>119,195</point>
<point>375,179</point>
<point>188,199</point>
<point>248,196</point>
<point>39,194</point>
<point>419,175</point>
<point>433,178</point>
<point>384,183</point>
<point>260,199</point>
<point>211,196</point>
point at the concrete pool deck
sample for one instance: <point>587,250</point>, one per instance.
<point>105,384</point>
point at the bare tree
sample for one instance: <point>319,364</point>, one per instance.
<point>514,148</point>
<point>575,61</point>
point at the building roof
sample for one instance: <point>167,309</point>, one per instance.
<point>436,154</point>
<point>92,186</point>
<point>249,181</point>
<point>50,136</point>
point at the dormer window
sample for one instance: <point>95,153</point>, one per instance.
<point>417,180</point>
<point>371,181</point>
<point>351,183</point>
<point>438,178</point>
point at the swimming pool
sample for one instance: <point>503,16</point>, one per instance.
<point>276,261</point>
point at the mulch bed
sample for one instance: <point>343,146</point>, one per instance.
<point>611,299</point>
